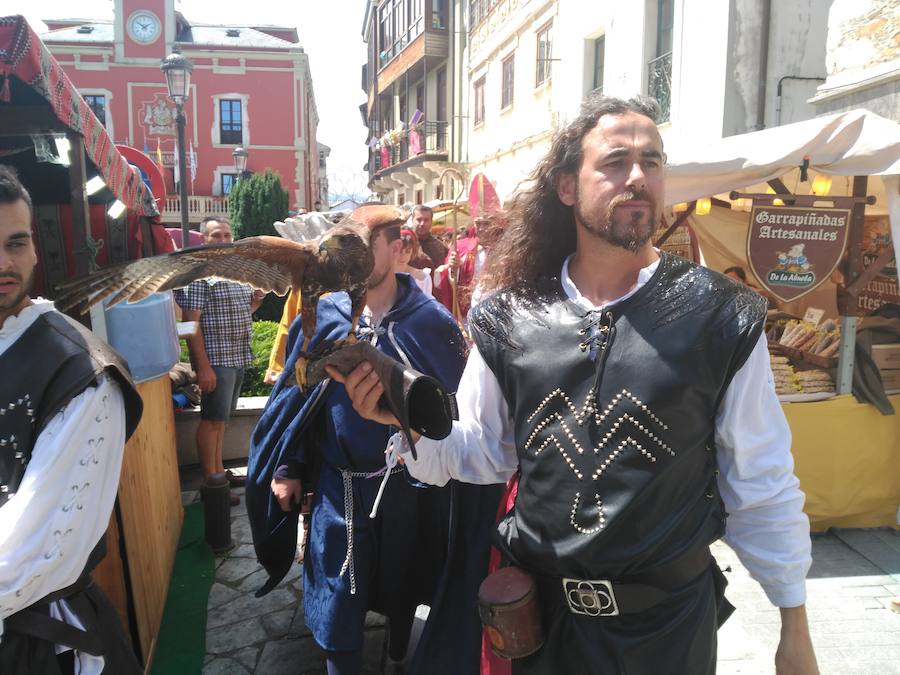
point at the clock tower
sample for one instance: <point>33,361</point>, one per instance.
<point>144,29</point>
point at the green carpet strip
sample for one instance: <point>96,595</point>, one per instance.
<point>182,637</point>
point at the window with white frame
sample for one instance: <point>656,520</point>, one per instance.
<point>231,122</point>
<point>659,69</point>
<point>508,81</point>
<point>544,55</point>
<point>97,104</point>
<point>478,101</point>
<point>599,63</point>
<point>228,181</point>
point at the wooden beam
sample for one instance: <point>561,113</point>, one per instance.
<point>853,268</point>
<point>845,301</point>
<point>679,221</point>
<point>147,247</point>
<point>872,271</point>
<point>810,201</point>
<point>81,216</point>
<point>21,120</point>
<point>779,187</point>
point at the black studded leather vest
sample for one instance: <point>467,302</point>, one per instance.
<point>53,361</point>
<point>614,417</point>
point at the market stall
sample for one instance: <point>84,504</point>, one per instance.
<point>92,208</point>
<point>810,212</point>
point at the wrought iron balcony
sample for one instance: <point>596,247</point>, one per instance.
<point>433,139</point>
<point>659,83</point>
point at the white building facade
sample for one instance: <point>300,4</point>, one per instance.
<point>717,68</point>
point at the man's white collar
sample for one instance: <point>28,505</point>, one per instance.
<point>26,317</point>
<point>574,294</point>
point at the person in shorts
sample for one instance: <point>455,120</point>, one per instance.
<point>220,350</point>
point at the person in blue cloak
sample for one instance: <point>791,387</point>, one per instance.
<point>425,545</point>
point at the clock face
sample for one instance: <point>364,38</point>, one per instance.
<point>143,27</point>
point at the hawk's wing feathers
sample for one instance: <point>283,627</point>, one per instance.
<point>266,263</point>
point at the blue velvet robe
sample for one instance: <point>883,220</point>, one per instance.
<point>427,545</point>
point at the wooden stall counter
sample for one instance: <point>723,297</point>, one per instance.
<point>847,457</point>
<point>147,523</point>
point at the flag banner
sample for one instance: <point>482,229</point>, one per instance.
<point>192,161</point>
<point>176,168</point>
<point>417,117</point>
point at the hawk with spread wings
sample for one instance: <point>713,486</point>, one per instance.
<point>338,260</point>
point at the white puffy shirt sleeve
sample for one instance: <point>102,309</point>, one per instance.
<point>766,525</point>
<point>49,527</point>
<point>481,447</point>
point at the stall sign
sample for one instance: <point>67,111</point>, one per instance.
<point>792,250</point>
<point>883,288</point>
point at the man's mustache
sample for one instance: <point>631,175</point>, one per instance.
<point>10,275</point>
<point>637,195</point>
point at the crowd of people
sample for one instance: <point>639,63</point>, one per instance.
<point>615,407</point>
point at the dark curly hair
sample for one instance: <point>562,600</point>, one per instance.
<point>541,230</point>
<point>11,188</point>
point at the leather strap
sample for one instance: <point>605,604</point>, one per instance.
<point>36,623</point>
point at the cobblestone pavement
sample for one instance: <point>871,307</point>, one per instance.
<point>853,577</point>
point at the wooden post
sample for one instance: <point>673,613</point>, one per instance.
<point>147,247</point>
<point>81,216</point>
<point>847,301</point>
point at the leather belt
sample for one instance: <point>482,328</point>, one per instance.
<point>609,597</point>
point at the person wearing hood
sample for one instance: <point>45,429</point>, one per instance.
<point>424,545</point>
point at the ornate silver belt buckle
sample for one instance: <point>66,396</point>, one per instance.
<point>591,597</point>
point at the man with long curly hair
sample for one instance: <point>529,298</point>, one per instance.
<point>630,392</point>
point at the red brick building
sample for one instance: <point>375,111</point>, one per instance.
<point>251,87</point>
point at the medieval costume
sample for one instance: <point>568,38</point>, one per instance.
<point>400,558</point>
<point>636,428</point>
<point>471,259</point>
<point>67,406</point>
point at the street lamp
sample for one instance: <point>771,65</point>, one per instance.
<point>240,156</point>
<point>177,69</point>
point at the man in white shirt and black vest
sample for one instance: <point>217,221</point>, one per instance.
<point>67,405</point>
<point>630,393</point>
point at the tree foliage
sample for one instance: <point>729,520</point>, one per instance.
<point>254,204</point>
<point>264,333</point>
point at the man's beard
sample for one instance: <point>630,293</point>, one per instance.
<point>624,233</point>
<point>11,301</point>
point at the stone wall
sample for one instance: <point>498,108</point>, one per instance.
<point>863,58</point>
<point>862,34</point>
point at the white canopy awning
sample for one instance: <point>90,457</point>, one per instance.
<point>854,143</point>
